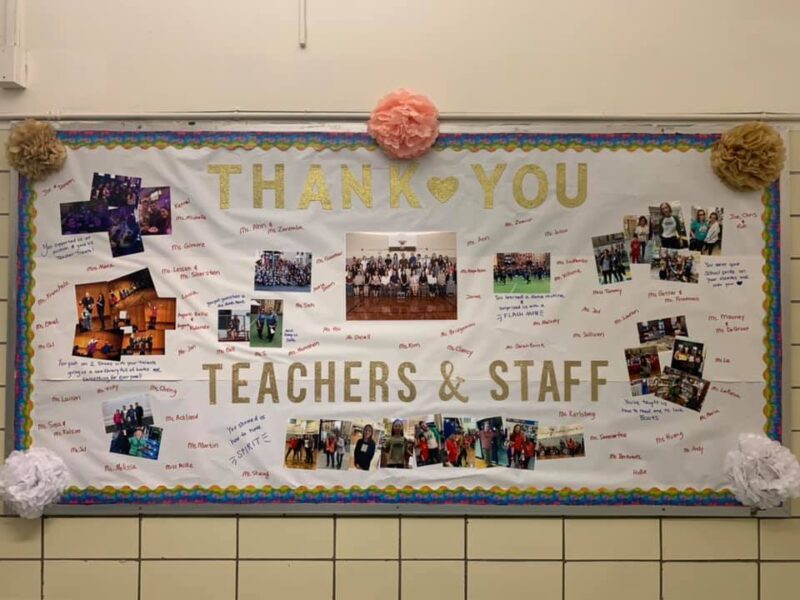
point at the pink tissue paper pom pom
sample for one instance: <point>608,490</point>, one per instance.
<point>404,124</point>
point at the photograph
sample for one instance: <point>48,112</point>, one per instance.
<point>144,343</point>
<point>675,265</point>
<point>302,444</point>
<point>638,238</point>
<point>233,325</point>
<point>522,273</point>
<point>155,211</point>
<point>115,190</point>
<point>564,441</point>
<point>427,440</point>
<point>283,271</point>
<point>334,443</point>
<point>644,368</point>
<point>611,258</point>
<point>401,276</point>
<point>705,231</point>
<point>521,443</point>
<point>397,450</point>
<point>366,436</point>
<point>124,232</point>
<point>490,443</point>
<point>667,226</point>
<point>266,323</point>
<point>142,442</point>
<point>127,413</point>
<point>100,345</point>
<point>84,217</point>
<point>459,435</point>
<point>662,332</point>
<point>682,389</point>
<point>688,356</point>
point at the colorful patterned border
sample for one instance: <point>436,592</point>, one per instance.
<point>23,390</point>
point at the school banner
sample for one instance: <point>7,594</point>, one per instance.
<point>514,319</point>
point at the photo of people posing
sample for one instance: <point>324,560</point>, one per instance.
<point>611,258</point>
<point>124,232</point>
<point>283,271</point>
<point>84,217</point>
<point>401,276</point>
<point>233,325</point>
<point>397,449</point>
<point>490,444</point>
<point>521,443</point>
<point>662,332</point>
<point>638,239</point>
<point>301,444</point>
<point>334,445</point>
<point>644,369</point>
<point>705,232</point>
<point>675,265</point>
<point>266,323</point>
<point>667,226</point>
<point>460,435</point>
<point>115,190</point>
<point>688,356</point>
<point>366,437</point>
<point>563,441</point>
<point>682,389</point>
<point>155,211</point>
<point>428,440</point>
<point>522,273</point>
<point>130,423</point>
<point>124,316</point>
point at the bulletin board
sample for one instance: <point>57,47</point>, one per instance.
<point>279,318</point>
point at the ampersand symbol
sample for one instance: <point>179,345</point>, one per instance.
<point>449,389</point>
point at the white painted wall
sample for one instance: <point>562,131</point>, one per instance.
<point>616,57</point>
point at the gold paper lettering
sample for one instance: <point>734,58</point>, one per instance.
<point>569,380</point>
<point>523,365</point>
<point>236,383</point>
<point>561,185</point>
<point>268,384</point>
<point>400,185</point>
<point>329,381</point>
<point>225,172</point>
<point>499,365</point>
<point>549,384</point>
<point>597,381</point>
<point>412,389</point>
<point>260,184</point>
<point>293,368</point>
<point>350,380</point>
<point>488,183</point>
<point>519,178</point>
<point>212,380</point>
<point>376,381</point>
<point>351,185</point>
<point>315,189</point>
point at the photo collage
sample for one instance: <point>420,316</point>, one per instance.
<point>130,424</point>
<point>122,317</point>
<point>120,206</point>
<point>680,379</point>
<point>427,440</point>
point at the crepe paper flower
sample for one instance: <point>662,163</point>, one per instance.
<point>762,473</point>
<point>32,479</point>
<point>749,156</point>
<point>404,124</point>
<point>34,150</point>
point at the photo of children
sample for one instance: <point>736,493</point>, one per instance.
<point>688,356</point>
<point>522,273</point>
<point>84,217</point>
<point>662,332</point>
<point>490,444</point>
<point>427,440</point>
<point>301,445</point>
<point>283,271</point>
<point>334,443</point>
<point>644,369</point>
<point>155,211</point>
<point>564,441</point>
<point>397,450</point>
<point>460,435</point>
<point>130,423</point>
<point>233,325</point>
<point>124,232</point>
<point>638,239</point>
<point>667,226</point>
<point>266,323</point>
<point>675,265</point>
<point>365,438</point>
<point>611,258</point>
<point>521,443</point>
<point>705,232</point>
<point>682,389</point>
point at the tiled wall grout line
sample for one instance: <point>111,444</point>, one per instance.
<point>236,569</point>
<point>333,560</point>
<point>563,558</point>
<point>466,558</point>
<point>399,557</point>
<point>758,555</point>
<point>139,563</point>
<point>41,557</point>
<point>660,558</point>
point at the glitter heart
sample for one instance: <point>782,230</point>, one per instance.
<point>443,188</point>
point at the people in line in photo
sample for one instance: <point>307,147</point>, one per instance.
<point>422,277</point>
<point>274,270</point>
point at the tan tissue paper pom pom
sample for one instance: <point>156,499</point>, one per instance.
<point>34,150</point>
<point>749,156</point>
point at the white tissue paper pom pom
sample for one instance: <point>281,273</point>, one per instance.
<point>32,479</point>
<point>762,472</point>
